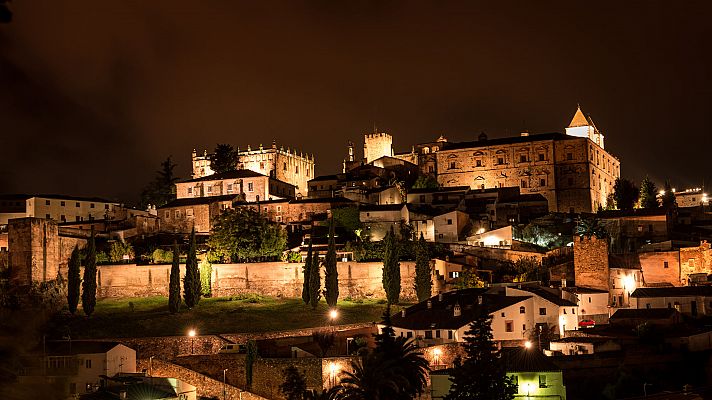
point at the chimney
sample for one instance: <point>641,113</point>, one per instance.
<point>403,313</point>
<point>440,297</point>
<point>430,304</point>
<point>456,311</point>
<point>479,300</point>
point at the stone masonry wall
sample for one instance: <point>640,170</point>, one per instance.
<point>356,280</point>
<point>591,262</point>
<point>205,386</point>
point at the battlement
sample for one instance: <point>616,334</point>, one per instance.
<point>377,135</point>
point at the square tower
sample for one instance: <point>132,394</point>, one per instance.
<point>377,145</point>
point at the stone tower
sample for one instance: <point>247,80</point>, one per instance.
<point>377,145</point>
<point>583,126</point>
<point>34,250</point>
<point>591,262</point>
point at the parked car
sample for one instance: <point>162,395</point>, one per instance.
<point>587,323</point>
<point>233,349</point>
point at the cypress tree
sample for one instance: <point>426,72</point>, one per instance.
<point>648,194</point>
<point>391,268</point>
<point>331,275</point>
<point>423,281</point>
<point>191,282</point>
<point>306,293</point>
<point>314,282</point>
<point>482,374</point>
<point>73,280</point>
<point>174,285</point>
<point>89,281</point>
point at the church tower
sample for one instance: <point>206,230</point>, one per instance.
<point>377,145</point>
<point>583,126</point>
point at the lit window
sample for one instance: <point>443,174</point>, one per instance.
<point>189,212</point>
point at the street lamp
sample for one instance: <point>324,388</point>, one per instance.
<point>224,385</point>
<point>528,344</point>
<point>436,356</point>
<point>333,314</point>
<point>191,333</point>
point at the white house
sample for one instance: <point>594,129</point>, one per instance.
<point>694,301</point>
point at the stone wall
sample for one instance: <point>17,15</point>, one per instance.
<point>694,260</point>
<point>280,279</point>
<point>591,262</point>
<point>205,386</point>
<point>661,267</point>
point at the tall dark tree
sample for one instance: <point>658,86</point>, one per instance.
<point>174,284</point>
<point>191,282</point>
<point>331,274</point>
<point>423,277</point>
<point>315,281</point>
<point>625,193</point>
<point>73,280</point>
<point>648,194</point>
<point>294,385</point>
<point>482,375</point>
<point>161,190</point>
<point>223,159</point>
<point>89,281</point>
<point>306,293</point>
<point>391,268</point>
<point>243,234</point>
<point>668,199</point>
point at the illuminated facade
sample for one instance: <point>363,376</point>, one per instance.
<point>295,168</point>
<point>572,171</point>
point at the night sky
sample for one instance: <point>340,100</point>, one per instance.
<point>95,94</point>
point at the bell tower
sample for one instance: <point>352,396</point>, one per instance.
<point>583,126</point>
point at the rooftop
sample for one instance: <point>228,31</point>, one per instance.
<point>72,347</point>
<point>520,359</point>
<point>683,291</point>
<point>236,174</point>
<point>193,201</point>
<point>510,140</point>
<point>441,314</point>
<point>643,313</point>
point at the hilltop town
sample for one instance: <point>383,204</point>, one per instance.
<point>595,286</point>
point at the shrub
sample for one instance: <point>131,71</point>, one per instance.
<point>160,256</point>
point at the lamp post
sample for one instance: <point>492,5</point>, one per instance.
<point>436,356</point>
<point>150,366</point>
<point>333,315</point>
<point>191,334</point>
<point>224,385</point>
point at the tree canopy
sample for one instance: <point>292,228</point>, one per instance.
<point>223,159</point>
<point>161,190</point>
<point>391,268</point>
<point>625,194</point>
<point>426,182</point>
<point>648,194</point>
<point>242,234</point>
<point>668,198</point>
<point>423,276</point>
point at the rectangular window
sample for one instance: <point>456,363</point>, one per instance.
<point>500,160</point>
<point>189,212</point>
<point>296,170</point>
<point>229,187</point>
<point>47,216</point>
<point>91,205</point>
<point>437,334</point>
<point>524,184</point>
<point>665,264</point>
<point>168,214</point>
<point>285,166</point>
<point>61,203</point>
<point>542,381</point>
<point>541,156</point>
<point>106,206</point>
<point>478,163</point>
<point>409,334</point>
<point>449,221</point>
<point>449,335</point>
<point>77,204</point>
<point>63,218</point>
<point>249,187</point>
<point>542,311</point>
<point>524,327</point>
<point>47,202</point>
<point>262,165</point>
<point>87,363</point>
<point>210,189</point>
<point>522,158</point>
<point>509,326</point>
<point>428,334</point>
<point>542,182</point>
<point>422,198</point>
<point>452,165</point>
<point>190,190</point>
<point>569,156</point>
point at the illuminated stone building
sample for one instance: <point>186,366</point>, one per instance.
<point>573,171</point>
<point>290,166</point>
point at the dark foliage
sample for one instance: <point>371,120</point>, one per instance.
<point>191,282</point>
<point>294,386</point>
<point>314,281</point>
<point>648,194</point>
<point>174,283</point>
<point>242,234</point>
<point>89,281</point>
<point>161,190</point>
<point>625,193</point>
<point>331,274</point>
<point>73,280</point>
<point>391,268</point>
<point>325,340</point>
<point>306,293</point>
<point>423,276</point>
<point>668,198</point>
<point>223,159</point>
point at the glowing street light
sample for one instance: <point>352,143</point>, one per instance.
<point>436,356</point>
<point>528,344</point>
<point>333,314</point>
<point>191,334</point>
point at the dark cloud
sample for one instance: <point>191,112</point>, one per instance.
<point>95,94</point>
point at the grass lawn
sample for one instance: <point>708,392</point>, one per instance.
<point>237,314</point>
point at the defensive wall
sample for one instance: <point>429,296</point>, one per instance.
<point>279,279</point>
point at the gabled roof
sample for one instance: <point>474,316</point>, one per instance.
<point>72,347</point>
<point>520,359</point>
<point>684,291</point>
<point>549,296</point>
<point>579,119</point>
<point>193,201</point>
<point>441,314</point>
